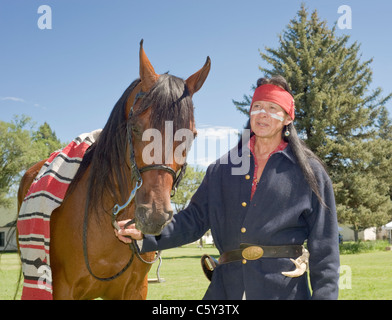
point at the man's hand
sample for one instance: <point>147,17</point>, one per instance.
<point>126,235</point>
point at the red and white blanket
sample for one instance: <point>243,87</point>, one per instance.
<point>45,195</point>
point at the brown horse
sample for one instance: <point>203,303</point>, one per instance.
<point>106,177</point>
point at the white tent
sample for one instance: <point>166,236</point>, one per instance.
<point>388,226</point>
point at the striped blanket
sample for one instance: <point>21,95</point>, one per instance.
<point>45,195</point>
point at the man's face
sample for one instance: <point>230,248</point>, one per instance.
<point>267,119</point>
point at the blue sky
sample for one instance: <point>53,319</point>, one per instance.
<point>72,75</point>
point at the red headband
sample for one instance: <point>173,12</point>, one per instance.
<point>275,94</point>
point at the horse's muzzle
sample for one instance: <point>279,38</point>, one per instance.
<point>152,221</point>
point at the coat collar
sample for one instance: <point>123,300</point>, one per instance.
<point>288,153</point>
<point>243,150</point>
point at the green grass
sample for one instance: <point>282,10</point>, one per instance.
<point>9,275</point>
<point>181,267</point>
<point>371,275</point>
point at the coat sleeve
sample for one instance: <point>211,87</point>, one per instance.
<point>186,226</point>
<point>323,242</point>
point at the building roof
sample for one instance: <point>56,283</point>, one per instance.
<point>8,215</point>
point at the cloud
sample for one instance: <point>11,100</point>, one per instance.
<point>212,143</point>
<point>15,99</point>
<point>21,100</point>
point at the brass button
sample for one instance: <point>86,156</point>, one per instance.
<point>244,204</point>
<point>244,261</point>
<point>243,230</point>
<point>247,177</point>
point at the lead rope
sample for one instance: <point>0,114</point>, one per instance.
<point>116,209</point>
<point>85,251</point>
<point>135,248</point>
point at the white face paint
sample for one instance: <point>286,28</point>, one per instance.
<point>272,115</point>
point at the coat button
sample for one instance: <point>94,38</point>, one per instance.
<point>243,230</point>
<point>244,204</point>
<point>244,261</point>
<point>247,177</point>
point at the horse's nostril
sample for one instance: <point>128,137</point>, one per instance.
<point>150,220</point>
<point>169,215</point>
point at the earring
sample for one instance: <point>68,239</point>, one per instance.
<point>287,132</point>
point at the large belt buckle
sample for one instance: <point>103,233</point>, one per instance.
<point>252,253</point>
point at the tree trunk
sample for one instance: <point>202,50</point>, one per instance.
<point>356,235</point>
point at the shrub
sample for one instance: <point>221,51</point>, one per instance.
<point>362,246</point>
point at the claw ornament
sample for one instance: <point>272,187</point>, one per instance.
<point>301,265</point>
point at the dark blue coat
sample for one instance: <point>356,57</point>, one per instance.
<point>283,211</point>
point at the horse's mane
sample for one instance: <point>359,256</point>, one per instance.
<point>169,100</point>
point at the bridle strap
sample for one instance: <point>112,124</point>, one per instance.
<point>159,167</point>
<point>136,172</point>
<point>176,178</point>
<point>176,181</point>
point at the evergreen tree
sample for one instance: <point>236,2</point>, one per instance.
<point>20,148</point>
<point>45,138</point>
<point>337,115</point>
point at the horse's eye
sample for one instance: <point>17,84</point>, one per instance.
<point>137,131</point>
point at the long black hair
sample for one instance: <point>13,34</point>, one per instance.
<point>303,154</point>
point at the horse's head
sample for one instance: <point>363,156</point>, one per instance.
<point>162,127</point>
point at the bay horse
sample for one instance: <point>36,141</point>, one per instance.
<point>106,177</point>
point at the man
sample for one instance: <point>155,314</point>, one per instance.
<point>260,220</point>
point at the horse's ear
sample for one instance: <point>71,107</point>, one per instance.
<point>195,81</point>
<point>148,76</point>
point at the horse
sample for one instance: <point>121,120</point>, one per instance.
<point>87,261</point>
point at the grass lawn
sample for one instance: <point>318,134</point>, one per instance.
<point>9,275</point>
<point>371,275</point>
<point>183,275</point>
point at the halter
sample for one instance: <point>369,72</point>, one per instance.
<point>137,175</point>
<point>136,172</point>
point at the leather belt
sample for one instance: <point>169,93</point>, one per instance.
<point>254,252</point>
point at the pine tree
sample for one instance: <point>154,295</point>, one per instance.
<point>337,115</point>
<point>46,139</point>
